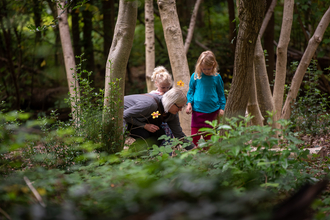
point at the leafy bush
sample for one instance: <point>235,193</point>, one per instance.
<point>240,177</point>
<point>309,114</point>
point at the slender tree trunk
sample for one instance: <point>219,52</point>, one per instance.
<point>268,17</point>
<point>304,63</point>
<point>232,25</point>
<point>178,58</point>
<point>37,18</point>
<point>108,24</point>
<point>281,63</point>
<point>264,94</point>
<point>253,106</point>
<point>118,58</point>
<point>268,41</point>
<point>8,36</point>
<point>57,55</point>
<point>76,32</point>
<point>191,26</point>
<point>68,59</point>
<point>265,98</point>
<point>150,43</point>
<point>87,41</point>
<point>250,16</point>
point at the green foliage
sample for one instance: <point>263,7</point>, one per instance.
<point>309,114</point>
<point>93,121</point>
<point>240,176</point>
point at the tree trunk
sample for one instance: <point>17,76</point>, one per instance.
<point>191,26</point>
<point>282,57</point>
<point>108,24</point>
<point>232,25</point>
<point>76,33</point>
<point>8,50</point>
<point>117,62</point>
<point>304,63</point>
<point>37,18</point>
<point>57,55</point>
<point>87,42</point>
<point>268,41</point>
<point>68,59</point>
<point>264,94</point>
<point>150,43</point>
<point>253,106</point>
<point>250,16</point>
<point>178,58</point>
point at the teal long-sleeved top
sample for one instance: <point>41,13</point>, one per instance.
<point>206,94</point>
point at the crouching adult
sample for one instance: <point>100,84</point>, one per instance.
<point>146,115</point>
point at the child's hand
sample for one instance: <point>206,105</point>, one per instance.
<point>221,112</point>
<point>189,108</point>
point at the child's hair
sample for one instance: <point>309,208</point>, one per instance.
<point>206,58</point>
<point>161,75</point>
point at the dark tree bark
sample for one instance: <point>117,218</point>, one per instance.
<point>37,18</point>
<point>4,22</point>
<point>184,9</point>
<point>87,41</point>
<point>232,25</point>
<point>57,55</point>
<point>250,15</point>
<point>76,33</point>
<point>108,25</point>
<point>269,46</point>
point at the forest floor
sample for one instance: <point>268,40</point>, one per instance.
<point>317,141</point>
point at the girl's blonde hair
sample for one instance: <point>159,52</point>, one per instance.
<point>161,75</point>
<point>207,58</point>
<point>173,96</point>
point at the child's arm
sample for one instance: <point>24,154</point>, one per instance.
<point>221,94</point>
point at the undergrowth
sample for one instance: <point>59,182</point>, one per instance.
<point>238,177</point>
<point>68,171</point>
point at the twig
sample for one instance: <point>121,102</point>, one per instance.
<point>35,192</point>
<point>199,133</point>
<point>266,180</point>
<point>5,214</point>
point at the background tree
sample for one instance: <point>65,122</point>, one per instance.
<point>281,63</point>
<point>118,58</point>
<point>108,7</point>
<point>69,58</point>
<point>87,15</point>
<point>75,30</point>
<point>149,42</point>
<point>304,63</point>
<point>177,55</point>
<point>250,16</point>
<point>192,26</point>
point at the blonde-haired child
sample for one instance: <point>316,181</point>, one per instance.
<point>163,80</point>
<point>206,97</point>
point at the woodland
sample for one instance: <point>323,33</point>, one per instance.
<point>65,67</point>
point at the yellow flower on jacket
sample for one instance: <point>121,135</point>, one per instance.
<point>155,114</point>
<point>180,83</point>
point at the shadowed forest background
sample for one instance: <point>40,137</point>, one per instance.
<point>32,68</point>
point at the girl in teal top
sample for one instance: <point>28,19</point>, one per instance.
<point>206,97</point>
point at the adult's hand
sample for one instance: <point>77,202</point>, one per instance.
<point>151,128</point>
